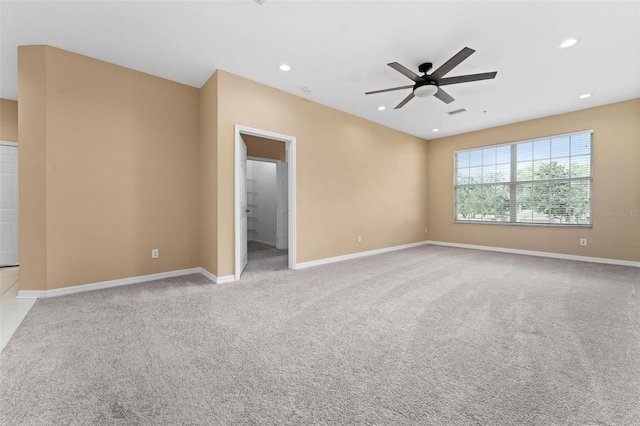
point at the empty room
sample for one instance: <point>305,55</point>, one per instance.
<point>320,212</point>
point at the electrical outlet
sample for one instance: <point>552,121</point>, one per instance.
<point>359,238</point>
<point>583,241</point>
<point>425,230</point>
<point>155,253</point>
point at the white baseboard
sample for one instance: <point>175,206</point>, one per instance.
<point>217,280</point>
<point>356,255</point>
<point>226,279</point>
<point>35,294</point>
<point>31,294</point>
<point>266,243</point>
<point>540,254</point>
<point>208,274</point>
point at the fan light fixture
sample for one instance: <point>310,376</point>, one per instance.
<point>425,91</point>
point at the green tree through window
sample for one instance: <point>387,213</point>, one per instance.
<point>544,181</point>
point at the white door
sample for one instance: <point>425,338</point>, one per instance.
<point>243,203</point>
<point>9,253</point>
<point>282,226</point>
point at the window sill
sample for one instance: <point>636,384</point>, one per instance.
<point>548,225</point>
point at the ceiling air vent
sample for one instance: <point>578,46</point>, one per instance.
<point>458,111</point>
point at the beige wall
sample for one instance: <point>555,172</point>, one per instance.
<point>109,170</point>
<point>265,148</point>
<point>354,177</point>
<point>32,167</point>
<point>8,120</point>
<point>209,175</point>
<point>616,186</point>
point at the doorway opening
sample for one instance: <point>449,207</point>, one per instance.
<point>267,242</point>
<point>265,195</point>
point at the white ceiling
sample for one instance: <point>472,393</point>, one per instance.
<point>340,50</point>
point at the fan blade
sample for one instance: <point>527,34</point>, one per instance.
<point>444,96</point>
<point>405,100</point>
<point>451,63</point>
<point>389,90</point>
<point>405,71</point>
<point>467,78</point>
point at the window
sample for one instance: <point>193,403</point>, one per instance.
<point>543,181</point>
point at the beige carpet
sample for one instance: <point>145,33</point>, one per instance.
<point>430,336</point>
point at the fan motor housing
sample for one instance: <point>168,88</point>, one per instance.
<point>426,82</point>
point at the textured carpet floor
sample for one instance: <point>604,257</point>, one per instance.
<point>265,258</point>
<point>430,335</point>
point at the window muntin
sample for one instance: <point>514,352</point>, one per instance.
<point>543,181</point>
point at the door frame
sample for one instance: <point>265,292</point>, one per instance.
<point>290,149</point>
<point>16,146</point>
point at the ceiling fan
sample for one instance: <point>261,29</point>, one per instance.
<point>429,85</point>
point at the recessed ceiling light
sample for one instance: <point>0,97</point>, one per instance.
<point>382,108</point>
<point>436,130</point>
<point>585,96</point>
<point>568,43</point>
<point>285,67</point>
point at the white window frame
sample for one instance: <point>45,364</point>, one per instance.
<point>513,183</point>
